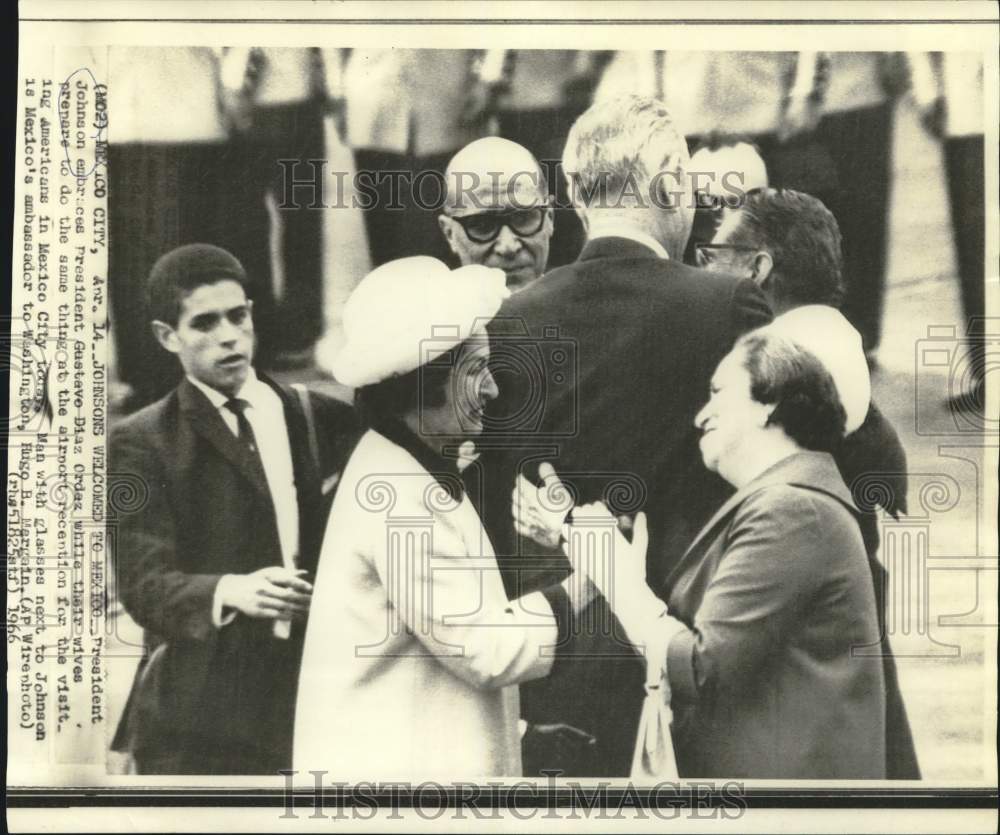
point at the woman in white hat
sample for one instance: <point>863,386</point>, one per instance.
<point>413,652</point>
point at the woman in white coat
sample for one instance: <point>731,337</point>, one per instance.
<point>413,652</point>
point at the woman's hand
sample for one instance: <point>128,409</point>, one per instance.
<point>540,512</point>
<point>597,548</point>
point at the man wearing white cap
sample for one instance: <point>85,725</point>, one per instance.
<point>789,243</point>
<point>413,652</point>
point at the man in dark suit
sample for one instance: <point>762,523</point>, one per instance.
<point>214,562</point>
<point>602,365</point>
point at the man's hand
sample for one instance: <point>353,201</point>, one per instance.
<point>272,593</point>
<point>539,512</point>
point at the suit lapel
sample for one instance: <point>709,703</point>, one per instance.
<point>306,473</point>
<point>707,533</point>
<point>207,422</point>
<point>303,467</point>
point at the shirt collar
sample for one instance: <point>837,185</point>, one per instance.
<point>444,470</point>
<point>618,229</point>
<point>249,391</point>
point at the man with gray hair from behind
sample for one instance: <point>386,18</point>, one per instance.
<point>625,341</point>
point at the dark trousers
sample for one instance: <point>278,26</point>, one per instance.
<point>403,198</point>
<point>161,196</point>
<point>858,142</point>
<point>964,167</point>
<point>291,132</point>
<point>845,163</point>
<point>543,132</point>
<point>246,711</point>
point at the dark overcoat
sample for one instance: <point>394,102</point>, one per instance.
<point>205,699</point>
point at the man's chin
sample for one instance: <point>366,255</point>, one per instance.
<point>232,379</point>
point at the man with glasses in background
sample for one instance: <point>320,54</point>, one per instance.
<point>497,211</point>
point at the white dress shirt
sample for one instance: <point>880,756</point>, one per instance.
<point>266,416</point>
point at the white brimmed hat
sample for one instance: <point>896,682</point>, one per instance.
<point>824,332</point>
<point>408,311</point>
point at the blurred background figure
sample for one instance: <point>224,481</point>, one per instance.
<point>498,213</point>
<point>740,93</point>
<point>726,167</point>
<point>948,89</point>
<point>409,111</point>
<point>548,89</point>
<point>173,178</point>
<point>273,101</point>
<point>842,156</point>
<point>820,121</point>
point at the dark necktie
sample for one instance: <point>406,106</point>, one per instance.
<point>238,407</point>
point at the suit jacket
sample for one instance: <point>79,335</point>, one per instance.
<point>872,463</point>
<point>413,651</point>
<point>208,699</point>
<point>777,593</point>
<point>602,366</point>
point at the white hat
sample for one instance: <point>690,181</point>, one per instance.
<point>824,332</point>
<point>408,311</point>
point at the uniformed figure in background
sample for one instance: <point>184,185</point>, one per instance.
<point>407,112</point>
<point>547,90</point>
<point>948,88</point>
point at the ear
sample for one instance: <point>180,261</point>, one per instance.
<point>674,186</point>
<point>447,226</point>
<point>550,220</point>
<point>764,416</point>
<point>763,264</point>
<point>166,336</point>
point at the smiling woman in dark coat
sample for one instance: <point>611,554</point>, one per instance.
<point>753,650</point>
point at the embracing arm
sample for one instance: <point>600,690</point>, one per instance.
<point>455,606</point>
<point>773,561</point>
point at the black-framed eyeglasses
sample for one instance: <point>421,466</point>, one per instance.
<point>484,228</point>
<point>705,253</point>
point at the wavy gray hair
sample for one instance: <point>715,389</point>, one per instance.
<point>621,144</point>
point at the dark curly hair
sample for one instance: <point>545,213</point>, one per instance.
<point>803,238</point>
<point>807,405</point>
<point>183,270</point>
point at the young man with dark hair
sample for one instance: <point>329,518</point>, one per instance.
<point>214,563</point>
